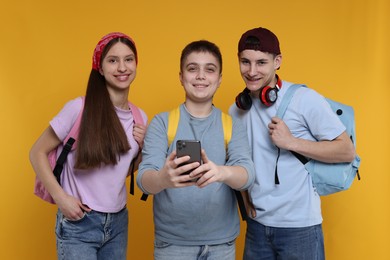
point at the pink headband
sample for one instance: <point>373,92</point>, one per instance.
<point>97,54</point>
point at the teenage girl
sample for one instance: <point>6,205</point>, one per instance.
<point>92,218</point>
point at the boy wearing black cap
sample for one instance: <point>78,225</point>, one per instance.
<point>284,207</point>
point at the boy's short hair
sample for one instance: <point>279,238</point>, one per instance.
<point>201,46</point>
<point>259,39</point>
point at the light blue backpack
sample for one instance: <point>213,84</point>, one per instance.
<point>328,178</point>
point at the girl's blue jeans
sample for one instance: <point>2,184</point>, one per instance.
<point>95,236</point>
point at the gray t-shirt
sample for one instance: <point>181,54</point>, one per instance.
<point>192,215</point>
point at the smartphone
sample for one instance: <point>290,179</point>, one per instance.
<point>191,148</point>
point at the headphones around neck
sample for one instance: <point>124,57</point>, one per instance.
<point>268,95</point>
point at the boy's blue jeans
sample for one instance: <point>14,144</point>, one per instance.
<point>262,242</point>
<point>96,236</point>
<point>167,251</point>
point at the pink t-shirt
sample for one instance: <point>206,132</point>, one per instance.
<point>102,189</point>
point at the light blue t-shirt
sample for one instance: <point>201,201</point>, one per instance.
<point>193,215</point>
<point>294,202</point>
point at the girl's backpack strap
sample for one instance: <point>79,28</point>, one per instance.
<point>136,114</point>
<point>138,119</point>
<point>74,131</point>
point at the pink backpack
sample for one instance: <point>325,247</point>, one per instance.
<point>70,143</point>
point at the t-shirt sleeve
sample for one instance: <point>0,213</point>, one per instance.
<point>154,152</point>
<point>322,122</point>
<point>239,153</point>
<point>62,123</point>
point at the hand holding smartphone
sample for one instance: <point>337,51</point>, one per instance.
<point>191,148</point>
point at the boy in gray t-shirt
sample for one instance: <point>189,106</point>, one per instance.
<point>196,214</point>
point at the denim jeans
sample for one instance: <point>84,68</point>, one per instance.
<point>166,251</point>
<point>270,243</point>
<point>95,236</point>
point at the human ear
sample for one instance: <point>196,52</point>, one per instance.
<point>278,61</point>
<point>220,80</point>
<point>181,78</point>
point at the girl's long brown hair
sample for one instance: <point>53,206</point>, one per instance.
<point>102,138</point>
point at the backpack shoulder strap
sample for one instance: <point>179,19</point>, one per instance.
<point>173,123</point>
<point>136,114</point>
<point>69,143</point>
<point>138,119</point>
<point>227,124</point>
<point>286,99</point>
<point>280,113</point>
<point>74,131</point>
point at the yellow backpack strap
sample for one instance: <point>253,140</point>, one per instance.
<point>173,123</point>
<point>227,124</point>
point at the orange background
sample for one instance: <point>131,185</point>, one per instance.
<point>339,48</point>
